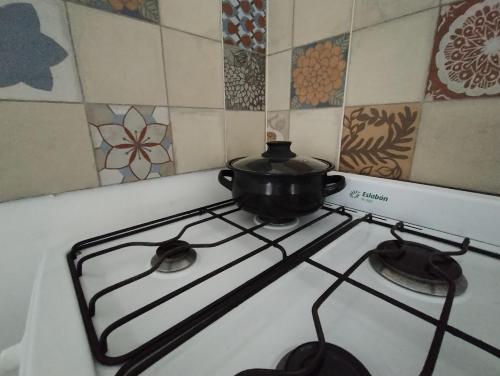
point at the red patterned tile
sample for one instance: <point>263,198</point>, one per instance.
<point>244,24</point>
<point>466,54</point>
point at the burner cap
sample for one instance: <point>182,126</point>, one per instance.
<point>336,361</point>
<point>408,266</point>
<point>178,260</point>
<point>280,225</point>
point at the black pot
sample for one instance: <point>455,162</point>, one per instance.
<point>279,186</point>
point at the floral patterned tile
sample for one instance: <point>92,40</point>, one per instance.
<point>142,9</point>
<point>131,143</point>
<point>244,79</point>
<point>278,126</point>
<point>380,140</point>
<point>36,57</point>
<point>244,24</point>
<point>466,55</point>
<point>318,73</point>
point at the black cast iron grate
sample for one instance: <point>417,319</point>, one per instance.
<point>99,344</point>
<point>141,358</point>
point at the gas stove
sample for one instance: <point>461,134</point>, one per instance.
<point>343,291</point>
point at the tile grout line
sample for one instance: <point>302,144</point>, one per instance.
<point>422,101</point>
<point>267,75</point>
<point>266,81</point>
<point>189,33</point>
<point>145,21</point>
<point>399,17</point>
<point>352,30</point>
<point>289,99</point>
<point>225,139</point>
<point>82,92</point>
<point>38,101</point>
<point>159,26</point>
<point>250,51</point>
<point>106,103</point>
<point>173,156</point>
<point>341,124</point>
<point>279,52</point>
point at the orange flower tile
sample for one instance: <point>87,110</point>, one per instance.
<point>318,73</point>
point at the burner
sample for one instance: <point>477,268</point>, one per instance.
<point>408,266</point>
<point>284,225</point>
<point>336,361</point>
<point>178,260</point>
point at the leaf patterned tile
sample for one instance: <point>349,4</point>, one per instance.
<point>131,143</point>
<point>466,54</point>
<point>244,79</point>
<point>142,9</point>
<point>318,73</point>
<point>278,126</point>
<point>36,57</point>
<point>380,140</point>
<point>244,24</point>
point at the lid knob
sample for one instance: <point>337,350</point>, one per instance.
<point>278,151</point>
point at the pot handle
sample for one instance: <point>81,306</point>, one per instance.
<point>333,184</point>
<point>223,178</point>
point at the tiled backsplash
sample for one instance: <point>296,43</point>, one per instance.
<point>409,91</point>
<point>100,92</point>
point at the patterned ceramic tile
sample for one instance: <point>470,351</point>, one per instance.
<point>143,9</point>
<point>36,58</point>
<point>466,56</point>
<point>131,142</point>
<point>278,126</point>
<point>371,12</point>
<point>318,73</point>
<point>244,79</point>
<point>379,140</point>
<point>244,24</point>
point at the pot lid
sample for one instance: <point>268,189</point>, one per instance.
<point>280,160</point>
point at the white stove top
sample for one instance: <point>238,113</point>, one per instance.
<point>261,330</point>
<point>386,339</point>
